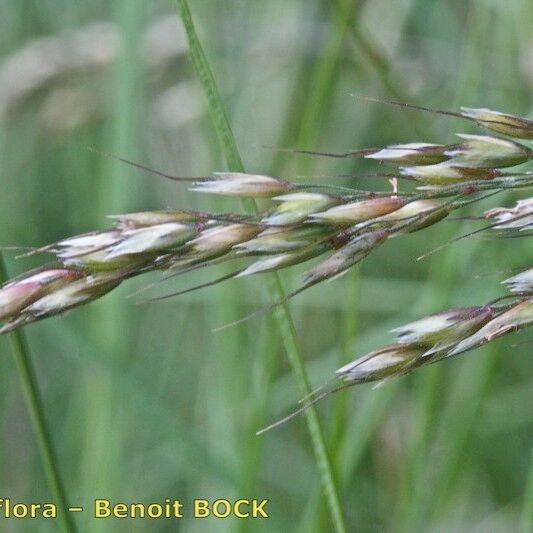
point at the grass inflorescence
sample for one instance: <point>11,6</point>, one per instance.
<point>303,224</point>
<point>385,445</point>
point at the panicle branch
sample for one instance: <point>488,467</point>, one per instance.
<point>433,338</point>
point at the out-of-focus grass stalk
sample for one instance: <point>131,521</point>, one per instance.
<point>348,342</point>
<point>323,77</point>
<point>427,397</point>
<point>104,449</point>
<point>458,425</point>
<point>526,523</point>
<point>348,338</point>
<point>363,426</point>
<point>284,320</point>
<point>460,422</point>
<point>117,193</point>
<point>417,502</point>
<point>263,371</point>
<point>19,349</point>
<point>321,83</point>
<point>368,53</point>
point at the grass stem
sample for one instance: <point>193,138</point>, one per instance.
<point>19,349</point>
<point>282,315</point>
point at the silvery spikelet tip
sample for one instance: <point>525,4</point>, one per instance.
<point>264,265</point>
<point>17,295</point>
<point>511,125</point>
<point>377,365</point>
<point>519,217</point>
<point>283,260</point>
<point>447,173</point>
<point>151,218</point>
<point>411,154</point>
<point>274,240</point>
<point>222,238</point>
<point>415,216</point>
<point>93,251</point>
<point>519,316</point>
<point>243,185</point>
<point>355,250</point>
<point>359,211</point>
<point>521,283</point>
<point>152,239</point>
<point>49,293</point>
<point>442,330</point>
<point>303,196</point>
<point>296,207</point>
<point>486,151</point>
<point>94,241</point>
<point>78,292</point>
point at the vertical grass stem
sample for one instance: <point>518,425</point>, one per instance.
<point>28,380</point>
<point>283,318</point>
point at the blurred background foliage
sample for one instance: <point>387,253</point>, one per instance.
<point>143,401</point>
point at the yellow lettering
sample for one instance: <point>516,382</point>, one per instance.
<point>49,510</point>
<point>201,508</point>
<point>101,509</point>
<point>120,510</point>
<point>20,510</point>
<point>154,510</point>
<point>34,507</point>
<point>258,509</point>
<point>226,508</point>
<point>177,506</point>
<point>237,506</point>
<point>137,507</point>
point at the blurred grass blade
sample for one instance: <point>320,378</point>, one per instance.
<point>28,381</point>
<point>284,320</point>
<point>527,513</point>
<point>216,108</point>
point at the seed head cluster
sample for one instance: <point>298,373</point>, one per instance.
<point>337,227</point>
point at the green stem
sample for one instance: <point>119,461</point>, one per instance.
<point>283,317</point>
<point>19,349</point>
